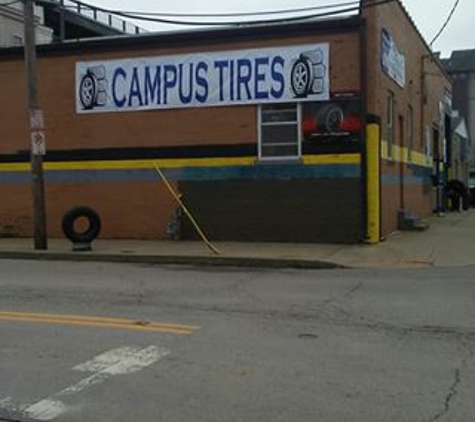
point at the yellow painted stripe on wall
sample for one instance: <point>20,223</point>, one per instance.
<point>176,163</point>
<point>332,159</point>
<point>420,159</point>
<point>402,155</point>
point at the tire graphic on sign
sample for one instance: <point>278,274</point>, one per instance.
<point>93,88</point>
<point>308,73</point>
<point>88,91</point>
<point>300,77</point>
<point>331,118</point>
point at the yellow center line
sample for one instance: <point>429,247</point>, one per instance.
<point>88,321</point>
<point>99,319</point>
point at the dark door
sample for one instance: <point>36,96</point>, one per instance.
<point>401,161</point>
<point>437,161</point>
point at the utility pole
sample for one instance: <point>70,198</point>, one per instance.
<point>37,137</point>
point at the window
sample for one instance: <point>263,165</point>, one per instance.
<point>390,124</point>
<point>279,131</point>
<point>410,132</point>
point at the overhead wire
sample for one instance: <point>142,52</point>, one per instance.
<point>235,14</point>
<point>339,11</point>
<point>445,24</point>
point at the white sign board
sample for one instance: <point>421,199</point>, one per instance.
<point>37,120</point>
<point>38,142</point>
<point>268,75</point>
<point>393,61</point>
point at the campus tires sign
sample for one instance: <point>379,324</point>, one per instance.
<point>270,75</point>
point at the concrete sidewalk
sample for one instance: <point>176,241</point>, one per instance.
<point>450,241</point>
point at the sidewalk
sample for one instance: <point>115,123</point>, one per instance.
<point>450,241</point>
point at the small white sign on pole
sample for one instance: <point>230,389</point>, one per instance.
<point>38,142</point>
<point>37,121</point>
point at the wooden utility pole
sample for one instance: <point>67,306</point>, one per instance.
<point>37,138</point>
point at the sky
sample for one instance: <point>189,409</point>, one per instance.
<point>429,15</point>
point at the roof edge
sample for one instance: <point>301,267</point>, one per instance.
<point>213,36</point>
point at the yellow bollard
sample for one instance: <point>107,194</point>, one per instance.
<point>373,183</point>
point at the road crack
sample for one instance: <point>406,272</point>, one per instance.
<point>457,379</point>
<point>347,296</point>
<point>450,395</point>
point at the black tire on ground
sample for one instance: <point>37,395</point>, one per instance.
<point>94,225</point>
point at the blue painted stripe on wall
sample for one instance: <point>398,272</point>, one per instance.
<point>420,176</point>
<point>421,171</point>
<point>394,179</point>
<point>259,172</point>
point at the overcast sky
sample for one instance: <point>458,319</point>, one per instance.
<point>429,15</point>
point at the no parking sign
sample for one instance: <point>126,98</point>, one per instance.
<point>38,142</point>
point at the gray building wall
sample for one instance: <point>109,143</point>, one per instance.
<point>11,26</point>
<point>471,104</point>
<point>461,67</point>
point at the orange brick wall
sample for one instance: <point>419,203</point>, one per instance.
<point>423,76</point>
<point>135,209</point>
<point>66,129</point>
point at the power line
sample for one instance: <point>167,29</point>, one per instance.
<point>233,23</point>
<point>355,8</point>
<point>221,15</point>
<point>449,18</point>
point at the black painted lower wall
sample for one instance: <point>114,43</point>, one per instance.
<point>313,211</point>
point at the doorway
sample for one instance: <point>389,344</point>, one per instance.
<point>401,161</point>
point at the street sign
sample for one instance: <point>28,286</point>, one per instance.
<point>38,142</point>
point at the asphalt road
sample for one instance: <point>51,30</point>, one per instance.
<point>120,343</point>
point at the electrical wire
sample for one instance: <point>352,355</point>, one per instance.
<point>229,15</point>
<point>449,18</point>
<point>234,23</point>
<point>151,17</point>
<point>217,15</point>
<point>240,23</point>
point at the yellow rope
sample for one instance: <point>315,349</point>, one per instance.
<point>188,214</point>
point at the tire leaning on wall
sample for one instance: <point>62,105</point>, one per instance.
<point>81,212</point>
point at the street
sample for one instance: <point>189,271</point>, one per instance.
<point>121,342</point>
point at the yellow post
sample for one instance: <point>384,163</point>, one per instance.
<point>372,183</point>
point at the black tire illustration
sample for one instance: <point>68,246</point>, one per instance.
<point>94,225</point>
<point>330,117</point>
<point>301,77</point>
<point>88,91</point>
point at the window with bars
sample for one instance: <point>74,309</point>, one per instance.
<point>279,131</point>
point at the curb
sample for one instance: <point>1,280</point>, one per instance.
<point>174,260</point>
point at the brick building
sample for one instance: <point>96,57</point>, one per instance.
<point>461,67</point>
<point>11,25</point>
<point>315,131</point>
